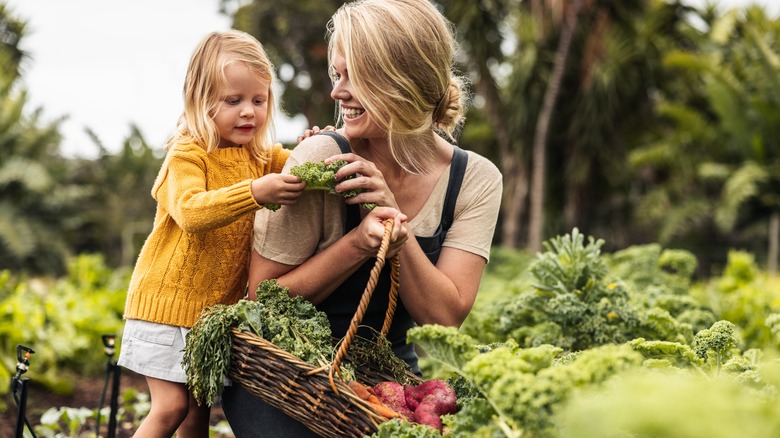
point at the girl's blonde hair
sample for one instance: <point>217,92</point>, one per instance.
<point>204,80</point>
<point>399,56</point>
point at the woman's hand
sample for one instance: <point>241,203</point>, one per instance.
<point>368,235</point>
<point>368,178</point>
<point>277,188</point>
<point>313,131</point>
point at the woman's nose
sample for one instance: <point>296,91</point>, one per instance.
<point>339,91</point>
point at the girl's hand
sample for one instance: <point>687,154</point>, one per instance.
<point>369,233</point>
<point>277,188</point>
<point>367,177</point>
<point>313,131</point>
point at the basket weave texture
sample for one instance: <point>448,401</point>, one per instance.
<point>316,397</point>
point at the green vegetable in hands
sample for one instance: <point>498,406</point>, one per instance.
<point>321,176</point>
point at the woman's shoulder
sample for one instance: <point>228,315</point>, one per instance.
<point>481,167</point>
<point>315,148</point>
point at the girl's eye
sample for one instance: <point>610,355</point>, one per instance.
<point>231,101</point>
<point>259,101</point>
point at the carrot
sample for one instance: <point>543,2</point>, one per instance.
<point>384,410</point>
<point>360,389</point>
<point>367,394</point>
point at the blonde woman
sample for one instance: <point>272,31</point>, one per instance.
<point>217,172</point>
<point>399,105</point>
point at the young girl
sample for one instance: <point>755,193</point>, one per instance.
<point>220,168</point>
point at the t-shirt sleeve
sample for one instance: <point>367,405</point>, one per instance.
<point>476,211</point>
<point>295,232</point>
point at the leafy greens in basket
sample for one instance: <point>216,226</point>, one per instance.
<point>290,323</point>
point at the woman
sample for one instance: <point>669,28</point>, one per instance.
<point>391,63</point>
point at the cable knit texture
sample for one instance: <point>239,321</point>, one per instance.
<point>197,254</point>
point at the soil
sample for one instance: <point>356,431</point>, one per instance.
<point>87,394</point>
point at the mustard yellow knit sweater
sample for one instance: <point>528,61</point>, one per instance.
<point>197,254</point>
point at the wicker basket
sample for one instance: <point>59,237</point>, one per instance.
<point>313,396</point>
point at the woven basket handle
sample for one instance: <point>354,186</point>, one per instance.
<point>364,300</point>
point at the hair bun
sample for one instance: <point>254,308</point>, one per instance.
<point>448,114</point>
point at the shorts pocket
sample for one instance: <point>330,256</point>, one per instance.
<point>152,332</point>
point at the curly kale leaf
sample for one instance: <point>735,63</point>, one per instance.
<point>569,265</point>
<point>321,176</point>
<point>291,323</point>
<point>718,339</point>
<point>397,428</point>
<point>673,353</point>
<point>445,345</point>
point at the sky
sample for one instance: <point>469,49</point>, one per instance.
<point>109,64</point>
<point>106,64</point>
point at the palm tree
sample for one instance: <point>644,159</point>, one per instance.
<point>539,172</point>
<point>728,129</point>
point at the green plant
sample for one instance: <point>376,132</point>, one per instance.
<point>61,319</point>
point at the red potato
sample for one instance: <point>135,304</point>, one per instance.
<point>443,392</point>
<point>392,395</point>
<point>426,414</point>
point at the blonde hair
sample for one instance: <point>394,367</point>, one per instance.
<point>204,80</point>
<point>399,56</point>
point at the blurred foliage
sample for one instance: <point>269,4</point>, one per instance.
<point>665,129</point>
<point>62,319</point>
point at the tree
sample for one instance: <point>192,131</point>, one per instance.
<point>118,214</point>
<point>717,167</point>
<point>606,100</point>
<point>33,202</point>
<point>11,55</point>
<point>539,172</point>
<point>483,28</point>
<point>293,34</point>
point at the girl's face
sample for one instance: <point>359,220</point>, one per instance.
<point>243,106</point>
<point>357,122</point>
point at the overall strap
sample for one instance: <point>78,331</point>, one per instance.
<point>340,140</point>
<point>457,170</point>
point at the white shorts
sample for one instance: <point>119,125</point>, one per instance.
<point>153,350</point>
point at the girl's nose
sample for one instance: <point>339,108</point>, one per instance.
<point>246,111</point>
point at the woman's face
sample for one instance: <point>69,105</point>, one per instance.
<point>357,121</point>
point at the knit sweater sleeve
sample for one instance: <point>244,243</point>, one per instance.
<point>183,189</point>
<point>279,156</point>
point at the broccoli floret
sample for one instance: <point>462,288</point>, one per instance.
<point>321,176</point>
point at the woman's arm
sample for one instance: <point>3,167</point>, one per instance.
<point>443,293</point>
<point>317,277</point>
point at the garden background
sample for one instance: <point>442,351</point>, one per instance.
<point>652,125</point>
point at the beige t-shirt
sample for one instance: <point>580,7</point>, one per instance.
<point>294,233</point>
